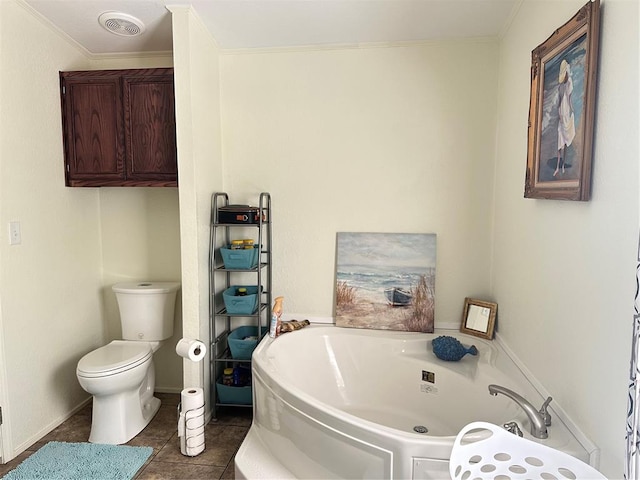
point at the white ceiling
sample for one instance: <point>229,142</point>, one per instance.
<point>237,24</point>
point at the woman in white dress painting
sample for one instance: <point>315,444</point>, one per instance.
<point>566,124</point>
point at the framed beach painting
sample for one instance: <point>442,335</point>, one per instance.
<point>562,109</point>
<point>386,281</point>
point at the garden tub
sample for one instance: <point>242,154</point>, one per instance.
<point>333,402</point>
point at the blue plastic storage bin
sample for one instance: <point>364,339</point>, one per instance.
<point>234,395</point>
<point>242,349</point>
<point>244,259</point>
<point>241,305</point>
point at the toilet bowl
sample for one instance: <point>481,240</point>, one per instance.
<point>121,379</point>
<point>121,374</point>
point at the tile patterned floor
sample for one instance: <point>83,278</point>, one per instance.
<point>222,440</point>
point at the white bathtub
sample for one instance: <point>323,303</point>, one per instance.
<point>334,402</point>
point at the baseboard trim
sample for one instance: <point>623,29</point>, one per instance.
<point>46,430</point>
<point>168,389</point>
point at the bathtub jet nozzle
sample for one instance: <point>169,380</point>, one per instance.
<point>538,419</point>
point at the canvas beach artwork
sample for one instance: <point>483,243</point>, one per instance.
<point>386,281</point>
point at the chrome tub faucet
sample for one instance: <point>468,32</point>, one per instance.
<point>539,419</point>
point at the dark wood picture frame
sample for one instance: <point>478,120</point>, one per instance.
<point>479,318</point>
<point>562,109</point>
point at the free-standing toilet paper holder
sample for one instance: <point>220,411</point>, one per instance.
<point>191,422</point>
<point>189,434</point>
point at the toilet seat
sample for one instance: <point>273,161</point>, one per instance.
<point>114,358</point>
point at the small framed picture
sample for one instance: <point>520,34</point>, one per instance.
<point>479,318</point>
<point>562,109</point>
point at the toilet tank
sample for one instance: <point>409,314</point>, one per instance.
<point>147,309</point>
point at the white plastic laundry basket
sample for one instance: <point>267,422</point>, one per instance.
<point>485,451</point>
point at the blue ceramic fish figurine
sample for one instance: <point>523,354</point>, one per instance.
<point>450,349</point>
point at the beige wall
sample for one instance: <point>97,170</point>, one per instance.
<point>564,272</point>
<point>50,284</point>
<point>57,303</point>
<point>366,139</point>
<point>197,77</point>
<point>399,140</point>
<point>141,241</point>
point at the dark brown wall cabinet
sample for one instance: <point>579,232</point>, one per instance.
<point>119,128</point>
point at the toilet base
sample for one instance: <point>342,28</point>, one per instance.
<point>116,419</point>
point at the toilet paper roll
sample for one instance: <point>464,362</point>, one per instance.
<point>194,350</point>
<point>192,439</point>
<point>191,399</point>
<point>191,421</point>
<point>194,445</point>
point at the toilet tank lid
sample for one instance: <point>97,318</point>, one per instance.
<point>145,287</point>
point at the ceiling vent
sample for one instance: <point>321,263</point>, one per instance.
<point>122,24</point>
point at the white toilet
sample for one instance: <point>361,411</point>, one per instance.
<point>120,375</point>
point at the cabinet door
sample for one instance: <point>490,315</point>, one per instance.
<point>150,128</point>
<point>93,126</point>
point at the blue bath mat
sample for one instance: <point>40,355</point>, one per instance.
<point>81,461</point>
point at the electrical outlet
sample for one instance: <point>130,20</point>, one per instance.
<point>15,237</point>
